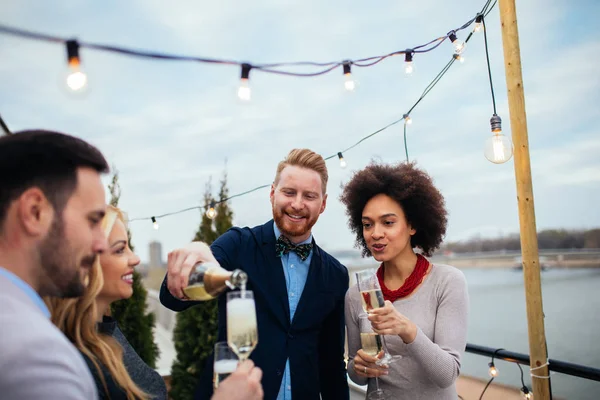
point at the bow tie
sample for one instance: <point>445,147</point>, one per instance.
<point>284,246</point>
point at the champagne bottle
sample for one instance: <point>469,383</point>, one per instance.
<point>209,280</point>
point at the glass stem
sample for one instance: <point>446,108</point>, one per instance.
<point>386,352</point>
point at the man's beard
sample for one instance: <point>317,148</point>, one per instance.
<point>287,228</point>
<point>57,259</point>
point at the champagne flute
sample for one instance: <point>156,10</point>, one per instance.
<point>372,344</point>
<point>226,362</point>
<point>242,331</point>
<point>371,297</point>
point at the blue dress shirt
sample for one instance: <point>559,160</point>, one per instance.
<point>28,290</point>
<point>296,273</point>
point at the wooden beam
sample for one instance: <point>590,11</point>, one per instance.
<point>529,244</point>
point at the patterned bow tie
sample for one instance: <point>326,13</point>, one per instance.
<point>284,246</point>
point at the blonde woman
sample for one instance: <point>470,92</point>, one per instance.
<point>118,371</point>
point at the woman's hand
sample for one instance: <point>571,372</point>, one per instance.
<point>388,321</point>
<point>364,365</point>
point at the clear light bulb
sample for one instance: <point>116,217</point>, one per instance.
<point>459,45</point>
<point>478,23</point>
<point>75,78</point>
<point>343,163</point>
<point>349,83</point>
<point>493,371</point>
<point>211,212</point>
<point>526,393</point>
<point>154,223</point>
<point>409,66</point>
<point>244,90</point>
<point>407,120</point>
<point>459,57</point>
<point>498,148</point>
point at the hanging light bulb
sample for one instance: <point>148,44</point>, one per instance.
<point>343,163</point>
<point>478,23</point>
<point>526,393</point>
<point>409,66</point>
<point>244,89</point>
<point>498,148</point>
<point>211,212</point>
<point>407,119</point>
<point>154,223</point>
<point>349,83</point>
<point>75,78</point>
<point>459,45</point>
<point>459,57</point>
<point>493,371</point>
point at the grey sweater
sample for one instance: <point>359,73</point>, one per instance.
<point>145,377</point>
<point>431,363</point>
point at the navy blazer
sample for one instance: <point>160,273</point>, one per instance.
<point>313,341</point>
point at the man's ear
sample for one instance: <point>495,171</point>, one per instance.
<point>324,205</point>
<point>34,212</point>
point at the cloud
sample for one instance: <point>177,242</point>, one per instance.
<point>169,127</point>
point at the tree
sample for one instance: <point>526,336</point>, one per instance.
<point>136,324</point>
<point>196,329</point>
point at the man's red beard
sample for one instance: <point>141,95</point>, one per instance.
<point>289,228</point>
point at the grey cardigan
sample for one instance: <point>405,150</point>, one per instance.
<point>145,377</point>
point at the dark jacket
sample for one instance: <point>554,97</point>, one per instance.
<point>313,341</point>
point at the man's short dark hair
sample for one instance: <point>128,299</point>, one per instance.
<point>47,160</point>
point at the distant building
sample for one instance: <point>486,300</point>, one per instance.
<point>156,261</point>
<point>154,271</point>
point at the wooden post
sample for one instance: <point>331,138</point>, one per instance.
<point>529,244</point>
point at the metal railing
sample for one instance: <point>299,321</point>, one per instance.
<point>563,367</point>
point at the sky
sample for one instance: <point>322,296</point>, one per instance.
<point>170,127</point>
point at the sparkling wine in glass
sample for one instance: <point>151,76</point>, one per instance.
<point>242,331</point>
<point>226,362</point>
<point>372,344</point>
<point>371,298</point>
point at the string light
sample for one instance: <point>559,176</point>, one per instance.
<point>76,79</point>
<point>429,87</point>
<point>498,148</point>
<point>80,80</point>
<point>409,66</point>
<point>524,389</point>
<point>526,393</point>
<point>459,45</point>
<point>493,371</point>
<point>211,212</point>
<point>343,163</point>
<point>407,119</point>
<point>478,23</point>
<point>459,57</point>
<point>244,89</point>
<point>154,223</point>
<point>349,83</point>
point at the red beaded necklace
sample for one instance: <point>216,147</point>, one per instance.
<point>410,284</point>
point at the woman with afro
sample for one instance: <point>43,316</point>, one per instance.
<point>393,210</point>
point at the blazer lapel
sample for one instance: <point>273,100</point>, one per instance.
<point>275,276</point>
<point>312,282</point>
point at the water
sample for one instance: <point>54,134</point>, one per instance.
<point>572,320</point>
